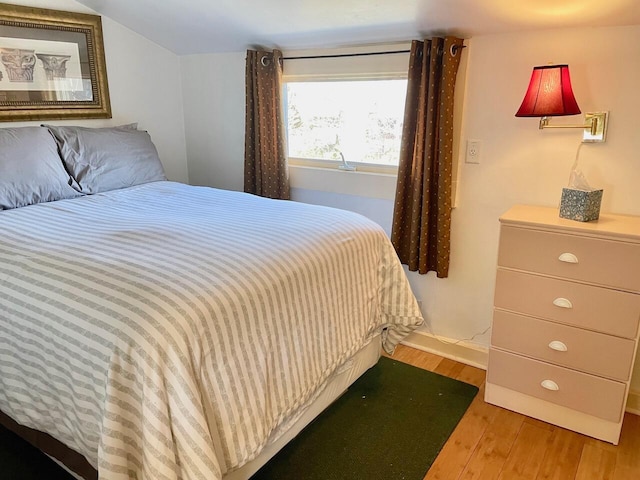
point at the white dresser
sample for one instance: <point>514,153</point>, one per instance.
<point>566,313</point>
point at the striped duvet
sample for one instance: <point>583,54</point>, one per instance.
<point>166,331</point>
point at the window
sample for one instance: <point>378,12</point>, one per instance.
<point>360,119</point>
<point>346,100</point>
<point>350,100</point>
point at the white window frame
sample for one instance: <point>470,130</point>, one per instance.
<point>392,66</point>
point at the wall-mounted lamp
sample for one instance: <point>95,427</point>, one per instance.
<point>550,95</point>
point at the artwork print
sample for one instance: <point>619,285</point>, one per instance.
<point>52,65</point>
<point>42,65</point>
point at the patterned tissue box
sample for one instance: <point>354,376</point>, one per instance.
<point>580,205</point>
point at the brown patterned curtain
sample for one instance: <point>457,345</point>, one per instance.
<point>265,160</point>
<point>422,213</point>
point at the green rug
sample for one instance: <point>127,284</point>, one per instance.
<point>391,424</point>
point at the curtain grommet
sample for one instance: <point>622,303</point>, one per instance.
<point>265,61</point>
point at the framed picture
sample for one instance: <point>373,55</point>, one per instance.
<point>52,65</point>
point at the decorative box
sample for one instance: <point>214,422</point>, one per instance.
<point>580,205</point>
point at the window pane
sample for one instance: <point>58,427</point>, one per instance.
<point>361,119</point>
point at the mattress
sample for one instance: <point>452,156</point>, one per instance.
<point>167,331</point>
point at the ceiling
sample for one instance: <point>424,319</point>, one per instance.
<point>208,26</point>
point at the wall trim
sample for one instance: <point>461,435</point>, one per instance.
<point>334,180</point>
<point>633,402</point>
<point>460,351</point>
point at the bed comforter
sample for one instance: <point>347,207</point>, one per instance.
<point>168,332</point>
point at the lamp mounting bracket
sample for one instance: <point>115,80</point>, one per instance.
<point>595,126</point>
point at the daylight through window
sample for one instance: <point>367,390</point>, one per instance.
<point>360,119</point>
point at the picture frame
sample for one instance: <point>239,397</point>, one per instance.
<point>52,65</point>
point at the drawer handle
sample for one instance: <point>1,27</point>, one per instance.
<point>568,258</point>
<point>558,346</point>
<point>550,385</point>
<point>562,303</point>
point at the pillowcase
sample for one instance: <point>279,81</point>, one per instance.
<point>102,159</point>
<point>30,168</point>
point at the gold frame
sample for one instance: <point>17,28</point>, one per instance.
<point>38,22</point>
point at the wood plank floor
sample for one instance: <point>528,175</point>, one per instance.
<point>494,443</point>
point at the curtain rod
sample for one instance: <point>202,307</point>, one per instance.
<point>363,54</point>
<point>338,55</point>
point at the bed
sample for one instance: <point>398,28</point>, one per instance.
<point>169,331</point>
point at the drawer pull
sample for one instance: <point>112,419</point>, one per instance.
<point>558,346</point>
<point>568,258</point>
<point>562,303</point>
<point>550,385</point>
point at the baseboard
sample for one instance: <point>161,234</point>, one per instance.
<point>463,352</point>
<point>633,402</point>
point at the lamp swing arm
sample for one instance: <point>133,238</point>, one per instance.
<point>591,123</point>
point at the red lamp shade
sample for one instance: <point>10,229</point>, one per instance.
<point>549,93</point>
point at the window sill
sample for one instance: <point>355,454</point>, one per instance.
<point>335,165</point>
<point>360,183</point>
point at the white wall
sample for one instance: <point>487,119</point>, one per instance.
<point>213,93</point>
<point>519,163</point>
<point>144,85</point>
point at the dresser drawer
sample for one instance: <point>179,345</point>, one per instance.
<point>591,352</point>
<point>594,308</point>
<point>604,262</point>
<point>586,393</point>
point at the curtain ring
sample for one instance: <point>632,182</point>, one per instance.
<point>265,61</point>
<point>454,50</point>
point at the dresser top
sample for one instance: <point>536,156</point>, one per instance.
<point>608,225</point>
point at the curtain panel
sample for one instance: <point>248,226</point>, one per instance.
<point>422,211</point>
<point>265,160</point>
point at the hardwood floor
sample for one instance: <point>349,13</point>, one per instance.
<point>494,443</point>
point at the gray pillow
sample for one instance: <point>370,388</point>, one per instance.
<point>30,168</point>
<point>102,159</point>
